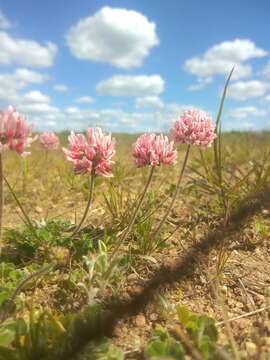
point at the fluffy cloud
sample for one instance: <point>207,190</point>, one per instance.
<point>31,109</point>
<point>25,76</point>
<point>35,96</point>
<point>84,100</point>
<point>220,58</point>
<point>266,70</point>
<point>25,52</point>
<point>128,85</point>
<point>44,115</point>
<point>72,110</point>
<point>4,22</point>
<point>11,83</point>
<point>116,36</point>
<point>149,102</point>
<point>34,104</point>
<point>60,88</point>
<point>201,83</point>
<point>243,90</point>
<point>246,111</point>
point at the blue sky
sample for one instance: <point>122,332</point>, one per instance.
<point>134,65</point>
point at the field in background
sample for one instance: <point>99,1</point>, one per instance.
<point>227,228</point>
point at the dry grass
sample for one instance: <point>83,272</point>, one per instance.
<point>212,267</point>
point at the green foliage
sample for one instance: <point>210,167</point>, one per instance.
<point>163,345</point>
<point>220,179</point>
<point>33,339</point>
<point>200,331</point>
<point>119,203</point>
<point>144,243</point>
<point>46,336</point>
<point>9,278</point>
<point>256,232</point>
<point>260,227</point>
<point>23,245</point>
<point>101,350</point>
<point>101,273</point>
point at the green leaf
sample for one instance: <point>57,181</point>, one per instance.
<point>183,314</point>
<point>7,354</point>
<point>163,345</point>
<point>156,348</point>
<point>21,327</point>
<point>6,337</point>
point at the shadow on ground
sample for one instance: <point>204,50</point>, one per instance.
<point>183,268</point>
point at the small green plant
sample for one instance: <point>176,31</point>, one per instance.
<point>145,243</point>
<point>101,273</point>
<point>102,350</point>
<point>22,245</point>
<point>32,339</point>
<point>201,330</point>
<point>256,232</point>
<point>119,203</point>
<point>196,335</point>
<point>45,336</point>
<point>162,345</point>
<point>9,278</point>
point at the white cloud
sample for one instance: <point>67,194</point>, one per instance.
<point>25,52</point>
<point>220,58</point>
<point>60,88</point>
<point>239,125</point>
<point>34,104</point>
<point>237,50</point>
<point>72,110</point>
<point>44,115</point>
<point>267,98</point>
<point>26,76</point>
<point>266,70</point>
<point>243,90</point>
<point>246,111</point>
<point>31,109</point>
<point>116,36</point>
<point>201,83</point>
<point>4,22</point>
<point>36,96</point>
<point>149,102</point>
<point>84,100</point>
<point>10,83</point>
<point>128,85</point>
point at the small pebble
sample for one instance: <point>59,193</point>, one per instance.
<point>224,289</point>
<point>38,209</point>
<point>251,348</point>
<point>135,290</point>
<point>242,323</point>
<point>140,320</point>
<point>153,316</point>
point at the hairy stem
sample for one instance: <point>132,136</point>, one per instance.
<point>133,217</point>
<point>29,222</point>
<point>1,201</point>
<point>162,221</point>
<point>89,202</point>
<point>20,287</point>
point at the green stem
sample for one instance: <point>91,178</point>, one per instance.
<point>217,143</point>
<point>133,218</point>
<point>162,221</point>
<point>1,201</point>
<point>20,287</point>
<point>89,202</point>
<point>29,222</point>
